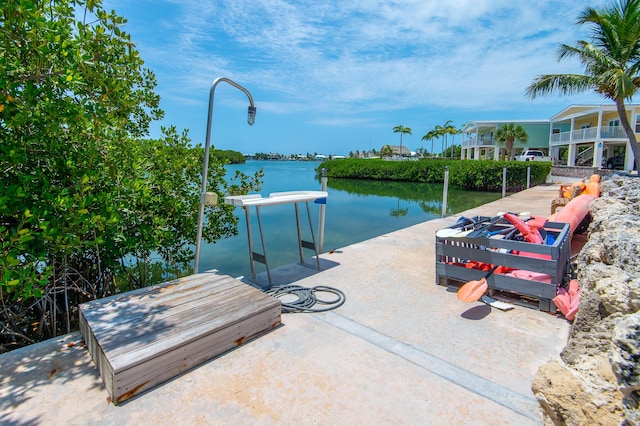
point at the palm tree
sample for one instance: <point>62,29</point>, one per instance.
<point>438,131</point>
<point>430,136</point>
<point>509,133</point>
<point>611,61</point>
<point>386,151</point>
<point>401,129</point>
<point>449,129</point>
<point>444,131</point>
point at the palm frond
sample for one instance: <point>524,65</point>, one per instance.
<point>565,84</point>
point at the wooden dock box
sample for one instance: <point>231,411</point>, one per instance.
<point>145,337</point>
<point>453,253</point>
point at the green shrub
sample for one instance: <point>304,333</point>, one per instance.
<point>88,207</point>
<point>229,156</point>
<point>466,174</point>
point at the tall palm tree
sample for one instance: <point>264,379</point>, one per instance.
<point>401,129</point>
<point>450,129</point>
<point>510,132</point>
<point>444,131</point>
<point>611,61</point>
<point>439,132</point>
<point>430,136</point>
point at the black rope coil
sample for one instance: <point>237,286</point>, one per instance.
<point>307,298</point>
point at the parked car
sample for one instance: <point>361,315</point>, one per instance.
<point>616,162</point>
<point>533,155</point>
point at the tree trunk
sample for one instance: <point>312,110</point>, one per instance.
<point>509,145</point>
<point>622,112</point>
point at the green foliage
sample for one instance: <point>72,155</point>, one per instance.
<point>453,151</point>
<point>509,133</point>
<point>611,61</point>
<point>386,151</point>
<point>229,156</point>
<point>466,174</point>
<point>86,205</point>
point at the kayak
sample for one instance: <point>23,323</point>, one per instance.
<point>574,212</point>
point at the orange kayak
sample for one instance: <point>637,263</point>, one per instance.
<point>574,211</point>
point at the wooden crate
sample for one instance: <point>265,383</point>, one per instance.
<point>453,253</point>
<point>145,337</point>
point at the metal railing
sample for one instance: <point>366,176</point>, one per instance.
<point>482,141</point>
<point>588,135</point>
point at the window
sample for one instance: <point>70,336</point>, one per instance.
<point>614,123</point>
<point>637,123</point>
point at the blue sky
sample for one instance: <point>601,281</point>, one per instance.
<point>331,77</point>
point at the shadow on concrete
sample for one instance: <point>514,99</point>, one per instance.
<point>39,365</point>
<point>289,274</point>
<point>477,312</point>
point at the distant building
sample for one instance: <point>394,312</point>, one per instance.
<point>579,135</point>
<point>478,141</point>
<point>406,152</point>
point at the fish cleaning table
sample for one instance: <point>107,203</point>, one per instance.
<point>277,198</point>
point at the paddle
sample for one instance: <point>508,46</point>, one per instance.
<point>502,232</point>
<point>452,233</point>
<point>483,232</point>
<point>459,227</point>
<point>473,290</point>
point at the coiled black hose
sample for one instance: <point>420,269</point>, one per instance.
<point>305,298</point>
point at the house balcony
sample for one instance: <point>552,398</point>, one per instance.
<point>481,141</point>
<point>587,135</point>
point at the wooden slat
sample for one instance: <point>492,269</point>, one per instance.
<point>215,306</point>
<point>119,320</point>
<point>113,306</point>
<point>145,337</point>
<point>177,332</point>
<point>167,365</point>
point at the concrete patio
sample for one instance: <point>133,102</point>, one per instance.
<point>401,350</point>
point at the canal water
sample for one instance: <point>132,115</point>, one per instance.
<point>356,210</point>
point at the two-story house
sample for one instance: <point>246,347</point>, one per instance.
<point>591,135</point>
<point>580,135</point>
<point>478,141</point>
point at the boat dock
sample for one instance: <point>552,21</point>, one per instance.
<point>401,350</point>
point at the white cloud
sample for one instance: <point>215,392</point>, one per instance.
<point>338,57</point>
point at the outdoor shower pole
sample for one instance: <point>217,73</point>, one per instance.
<point>251,118</point>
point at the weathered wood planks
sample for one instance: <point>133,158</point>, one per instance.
<point>145,337</point>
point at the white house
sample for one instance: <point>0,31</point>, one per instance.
<point>580,135</point>
<point>591,135</point>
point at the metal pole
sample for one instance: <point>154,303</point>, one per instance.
<point>528,177</point>
<point>205,168</point>
<point>445,191</point>
<point>323,187</point>
<point>504,181</point>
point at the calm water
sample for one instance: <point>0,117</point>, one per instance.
<point>356,210</point>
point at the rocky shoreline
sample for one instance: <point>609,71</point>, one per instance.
<point>597,380</point>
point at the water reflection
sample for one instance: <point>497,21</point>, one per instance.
<point>398,211</point>
<point>356,210</point>
<point>427,196</point>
